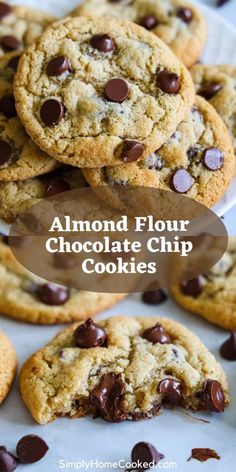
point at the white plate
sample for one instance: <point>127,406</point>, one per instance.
<point>173,433</point>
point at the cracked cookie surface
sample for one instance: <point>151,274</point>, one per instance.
<point>213,296</point>
<point>91,101</point>
<point>8,366</point>
<point>181,164</point>
<point>20,158</point>
<point>179,24</point>
<point>63,379</point>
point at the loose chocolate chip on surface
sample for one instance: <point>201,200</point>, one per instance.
<point>5,10</point>
<point>14,62</point>
<point>8,462</point>
<point>193,287</point>
<point>149,22</point>
<point>89,335</point>
<point>203,454</point>
<point>107,398</point>
<point>56,186</point>
<point>185,14</point>
<point>53,295</point>
<point>132,151</point>
<point>156,334</point>
<point>213,158</point>
<point>31,448</point>
<point>144,452</point>
<point>171,390</point>
<point>168,82</point>
<point>7,106</point>
<point>10,43</point>
<point>208,90</point>
<point>52,112</point>
<point>213,396</point>
<point>154,297</point>
<point>116,90</point>
<point>228,348</point>
<point>57,66</point>
<point>181,181</point>
<point>5,152</point>
<point>102,42</point>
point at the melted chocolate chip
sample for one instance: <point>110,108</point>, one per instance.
<point>154,297</point>
<point>56,186</point>
<point>90,335</point>
<point>7,106</point>
<point>208,90</point>
<point>5,10</point>
<point>52,112</point>
<point>149,22</point>
<point>107,398</point>
<point>57,66</point>
<point>193,287</point>
<point>14,62</point>
<point>203,454</point>
<point>132,151</point>
<point>116,90</point>
<point>228,348</point>
<point>31,448</point>
<point>10,43</point>
<point>213,396</point>
<point>185,14</point>
<point>102,42</point>
<point>213,158</point>
<point>8,462</point>
<point>181,181</point>
<point>5,152</point>
<point>53,295</point>
<point>144,452</point>
<point>168,82</point>
<point>171,390</point>
<point>156,334</point>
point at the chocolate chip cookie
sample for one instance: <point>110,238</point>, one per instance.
<point>213,295</point>
<point>8,366</point>
<point>27,297</point>
<point>105,92</point>
<point>20,26</point>
<point>179,24</point>
<point>197,160</point>
<point>122,368</point>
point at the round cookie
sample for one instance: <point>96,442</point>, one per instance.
<point>122,368</point>
<point>197,160</point>
<point>20,26</point>
<point>26,297</point>
<point>218,85</point>
<point>20,158</point>
<point>179,24</point>
<point>213,296</point>
<point>90,101</point>
<point>16,197</point>
<point>8,366</point>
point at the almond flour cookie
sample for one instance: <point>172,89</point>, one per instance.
<point>20,26</point>
<point>94,92</point>
<point>213,295</point>
<point>27,297</point>
<point>8,365</point>
<point>16,197</point>
<point>122,368</point>
<point>179,24</point>
<point>20,158</point>
<point>197,160</point>
<point>218,85</point>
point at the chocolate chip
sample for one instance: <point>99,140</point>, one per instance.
<point>5,10</point>
<point>58,65</point>
<point>181,181</point>
<point>156,334</point>
<point>155,164</point>
<point>203,454</point>
<point>7,106</point>
<point>168,82</point>
<point>192,152</point>
<point>228,348</point>
<point>145,453</point>
<point>10,43</point>
<point>208,90</point>
<point>8,462</point>
<point>213,158</point>
<point>132,151</point>
<point>102,42</point>
<point>154,297</point>
<point>90,335</point>
<point>53,295</point>
<point>116,90</point>
<point>52,112</point>
<point>193,287</point>
<point>220,3</point>
<point>185,14</point>
<point>5,152</point>
<point>14,62</point>
<point>56,186</point>
<point>213,396</point>
<point>107,398</point>
<point>31,448</point>
<point>64,261</point>
<point>149,22</point>
<point>171,390</point>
